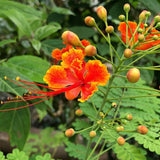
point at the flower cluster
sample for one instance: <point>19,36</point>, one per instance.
<point>139,41</point>
<point>74,71</point>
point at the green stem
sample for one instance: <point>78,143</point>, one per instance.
<point>108,42</point>
<point>95,146</point>
<point>119,104</point>
<point>100,57</point>
<point>129,97</point>
<point>148,89</point>
<point>103,152</point>
<point>85,129</point>
<point>127,30</point>
<point>119,39</point>
<point>88,147</point>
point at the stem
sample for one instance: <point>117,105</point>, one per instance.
<point>148,89</point>
<point>108,42</point>
<point>100,57</point>
<point>95,146</point>
<point>119,104</point>
<point>103,152</point>
<point>88,147</point>
<point>129,97</point>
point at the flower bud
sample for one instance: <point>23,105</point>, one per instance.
<point>148,14</point>
<point>101,114</point>
<point>142,129</point>
<point>114,105</point>
<point>79,112</point>
<point>127,53</point>
<point>133,75</point>
<point>119,128</point>
<point>157,25</point>
<point>145,25</point>
<point>157,18</point>
<point>90,50</point>
<point>122,17</point>
<point>141,37</point>
<point>129,117</point>
<point>92,134</point>
<point>89,21</point>
<point>71,39</point>
<point>126,7</point>
<point>142,15</point>
<point>155,37</point>
<point>109,29</point>
<point>121,141</point>
<point>69,132</point>
<point>102,13</point>
<point>140,30</point>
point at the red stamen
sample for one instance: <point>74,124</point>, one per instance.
<point>11,109</point>
<point>43,94</point>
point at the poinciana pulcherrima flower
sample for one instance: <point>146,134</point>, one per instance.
<point>74,70</point>
<point>146,44</point>
<point>57,53</point>
<point>73,77</point>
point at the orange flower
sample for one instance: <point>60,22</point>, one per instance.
<point>57,53</point>
<point>75,72</point>
<point>73,77</point>
<point>146,44</point>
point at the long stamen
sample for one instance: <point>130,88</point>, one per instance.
<point>28,105</point>
<point>43,94</point>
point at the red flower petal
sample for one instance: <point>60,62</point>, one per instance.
<point>87,91</point>
<point>56,77</point>
<point>96,72</point>
<point>70,56</point>
<point>57,54</point>
<point>122,29</point>
<point>73,93</point>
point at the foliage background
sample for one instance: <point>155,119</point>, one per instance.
<point>30,30</point>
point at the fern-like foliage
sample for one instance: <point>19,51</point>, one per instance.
<point>129,152</point>
<point>141,102</point>
<point>149,141</point>
<point>2,157</point>
<point>21,155</point>
<point>76,150</point>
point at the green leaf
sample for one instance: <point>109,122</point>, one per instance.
<point>128,152</point>
<point>31,66</point>
<point>103,49</point>
<point>76,150</point>
<point>19,20</point>
<point>36,45</point>
<point>61,10</point>
<point>82,32</point>
<point>147,75</point>
<point>149,142</point>
<point>17,123</point>
<point>46,136</point>
<point>47,30</point>
<point>88,110</point>
<point>26,10</point>
<point>17,155</point>
<point>2,157</point>
<point>50,44</point>
<point>153,5</point>
<point>110,134</point>
<point>6,85</point>
<point>2,43</point>
<point>47,156</point>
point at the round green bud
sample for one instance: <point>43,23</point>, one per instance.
<point>126,7</point>
<point>122,18</point>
